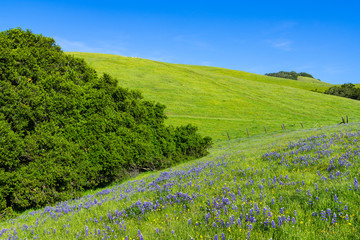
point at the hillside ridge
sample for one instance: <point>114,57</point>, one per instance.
<point>221,101</point>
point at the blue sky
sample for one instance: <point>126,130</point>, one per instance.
<point>318,37</point>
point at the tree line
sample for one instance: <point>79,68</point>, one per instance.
<point>347,90</point>
<point>289,75</point>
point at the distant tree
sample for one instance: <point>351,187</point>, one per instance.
<point>347,90</point>
<point>304,74</point>
<point>289,75</point>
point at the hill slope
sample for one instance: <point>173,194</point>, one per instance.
<point>220,100</point>
<point>296,185</point>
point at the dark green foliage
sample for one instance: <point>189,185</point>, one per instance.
<point>304,74</point>
<point>347,90</point>
<point>64,129</point>
<point>289,75</point>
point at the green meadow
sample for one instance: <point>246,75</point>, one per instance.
<point>297,183</point>
<point>220,100</point>
<point>275,186</point>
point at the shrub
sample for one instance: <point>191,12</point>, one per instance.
<point>64,129</point>
<point>347,90</point>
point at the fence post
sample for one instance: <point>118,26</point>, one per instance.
<point>228,135</point>
<point>265,129</point>
<point>247,131</point>
<point>347,119</point>
<point>302,125</point>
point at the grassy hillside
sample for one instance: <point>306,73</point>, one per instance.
<point>298,185</point>
<point>220,100</point>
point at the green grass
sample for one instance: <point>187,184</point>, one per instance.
<point>239,163</point>
<point>220,100</point>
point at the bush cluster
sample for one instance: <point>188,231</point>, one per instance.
<point>289,75</point>
<point>64,129</point>
<point>347,90</point>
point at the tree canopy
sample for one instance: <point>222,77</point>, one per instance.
<point>289,75</point>
<point>347,90</point>
<point>64,129</point>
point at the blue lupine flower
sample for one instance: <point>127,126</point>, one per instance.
<point>239,222</point>
<point>222,236</point>
<point>273,224</point>
<point>356,184</point>
<point>328,212</point>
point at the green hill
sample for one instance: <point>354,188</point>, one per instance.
<point>292,185</point>
<point>296,185</point>
<point>220,100</point>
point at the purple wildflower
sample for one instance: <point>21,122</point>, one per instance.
<point>279,221</point>
<point>356,184</point>
<point>239,222</point>
<point>222,236</point>
<point>328,212</point>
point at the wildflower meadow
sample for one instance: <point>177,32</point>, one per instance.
<point>296,185</point>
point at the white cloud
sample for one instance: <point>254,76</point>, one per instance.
<point>205,63</point>
<point>282,44</point>
<point>73,46</point>
<point>77,46</point>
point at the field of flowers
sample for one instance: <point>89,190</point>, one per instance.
<point>300,185</point>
